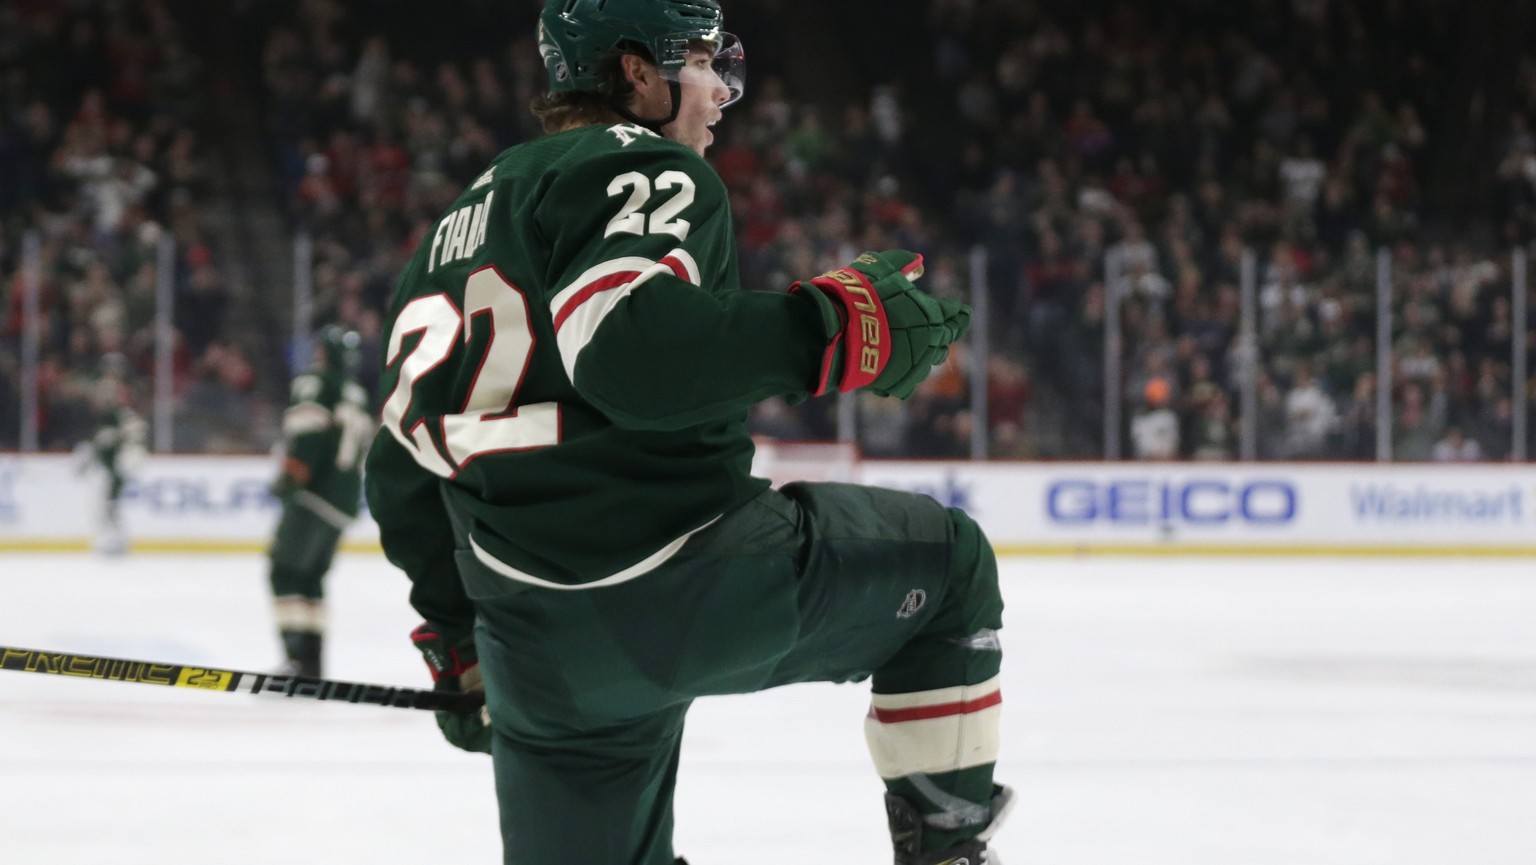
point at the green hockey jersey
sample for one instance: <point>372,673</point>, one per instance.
<point>326,429</point>
<point>569,367</point>
<point>117,443</point>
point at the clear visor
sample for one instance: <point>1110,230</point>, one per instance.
<point>728,69</point>
<point>731,65</point>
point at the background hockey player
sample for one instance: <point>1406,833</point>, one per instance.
<point>116,447</point>
<point>326,429</point>
<point>564,470</point>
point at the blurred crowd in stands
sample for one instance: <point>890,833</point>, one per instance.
<point>99,158</point>
<point>1096,153</point>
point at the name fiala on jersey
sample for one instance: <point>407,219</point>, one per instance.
<point>460,233</point>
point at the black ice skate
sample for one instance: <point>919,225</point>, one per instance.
<point>906,826</point>
<point>303,651</point>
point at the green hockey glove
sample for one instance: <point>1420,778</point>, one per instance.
<point>456,668</point>
<point>284,486</point>
<point>883,333</point>
<point>293,477</point>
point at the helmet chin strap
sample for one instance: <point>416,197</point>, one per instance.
<point>653,125</point>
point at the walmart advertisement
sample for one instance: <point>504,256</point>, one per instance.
<point>222,503</point>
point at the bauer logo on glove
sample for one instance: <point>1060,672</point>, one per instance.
<point>868,311</point>
<point>872,310</point>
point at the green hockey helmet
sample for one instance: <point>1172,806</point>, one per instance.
<point>574,35</point>
<point>339,346</point>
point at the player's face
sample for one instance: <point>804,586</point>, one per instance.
<point>703,95</point>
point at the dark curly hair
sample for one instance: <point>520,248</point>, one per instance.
<point>562,111</point>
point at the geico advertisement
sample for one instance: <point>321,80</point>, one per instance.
<point>176,498</point>
<point>1077,505</point>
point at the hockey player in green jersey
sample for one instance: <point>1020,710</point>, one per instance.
<point>116,447</point>
<point>563,470</point>
<point>326,429</point>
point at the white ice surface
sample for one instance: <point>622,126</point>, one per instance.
<point>1188,712</point>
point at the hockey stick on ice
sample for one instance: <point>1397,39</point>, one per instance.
<point>209,679</point>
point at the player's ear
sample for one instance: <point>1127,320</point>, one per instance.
<point>637,70</point>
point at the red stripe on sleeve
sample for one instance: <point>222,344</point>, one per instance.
<point>677,268</point>
<point>941,710</point>
<point>614,280</point>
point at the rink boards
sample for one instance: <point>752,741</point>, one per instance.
<point>221,503</point>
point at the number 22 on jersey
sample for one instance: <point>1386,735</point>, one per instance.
<point>490,420</point>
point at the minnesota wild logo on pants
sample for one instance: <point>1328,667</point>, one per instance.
<point>912,603</point>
